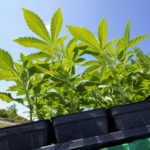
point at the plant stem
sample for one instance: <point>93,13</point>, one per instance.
<point>71,101</point>
<point>27,96</point>
<point>36,104</point>
<point>30,106</point>
<point>97,102</point>
<point>120,89</point>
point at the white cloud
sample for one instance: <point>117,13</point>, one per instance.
<point>48,27</point>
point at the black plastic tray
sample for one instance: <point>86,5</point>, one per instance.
<point>131,115</point>
<point>80,125</point>
<point>97,142</point>
<point>27,136</point>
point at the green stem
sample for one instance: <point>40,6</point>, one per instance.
<point>36,103</point>
<point>97,102</point>
<point>27,96</point>
<point>71,100</point>
<point>30,106</point>
<point>120,89</point>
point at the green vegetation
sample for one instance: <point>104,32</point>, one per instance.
<point>11,113</point>
<point>2,125</point>
<point>118,74</point>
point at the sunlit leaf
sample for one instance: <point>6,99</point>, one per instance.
<point>80,60</point>
<point>60,40</point>
<point>121,49</point>
<point>70,49</point>
<point>6,61</point>
<point>56,24</point>
<point>40,55</point>
<point>36,24</point>
<point>84,35</point>
<point>91,63</point>
<point>33,43</point>
<point>102,33</point>
<point>91,69</point>
<point>7,75</point>
<point>127,32</point>
<point>137,40</point>
<point>8,98</point>
<point>109,44</point>
<point>14,88</point>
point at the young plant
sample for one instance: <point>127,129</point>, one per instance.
<point>48,79</point>
<point>49,43</point>
<point>11,71</point>
<point>61,61</point>
<point>107,56</point>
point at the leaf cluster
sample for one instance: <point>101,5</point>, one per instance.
<point>49,82</point>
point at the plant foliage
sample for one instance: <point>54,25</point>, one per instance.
<point>48,83</point>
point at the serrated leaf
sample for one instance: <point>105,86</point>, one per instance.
<point>83,48</point>
<point>33,43</point>
<point>8,98</point>
<point>80,60</point>
<point>76,79</point>
<point>6,61</point>
<point>45,69</point>
<point>7,75</point>
<point>60,40</point>
<point>129,58</point>
<point>91,63</point>
<point>84,35</point>
<point>141,55</point>
<point>29,64</point>
<point>40,55</point>
<point>63,49</point>
<point>109,44</point>
<point>138,52</point>
<point>33,70</point>
<point>91,53</point>
<point>91,69</point>
<point>137,40</point>
<point>127,32</point>
<point>104,73</point>
<point>20,93</point>
<point>36,24</point>
<point>42,67</point>
<point>121,49</point>
<point>22,57</point>
<point>19,68</point>
<point>130,53</point>
<point>13,88</point>
<point>56,24</point>
<point>102,33</point>
<point>100,58</point>
<point>70,49</point>
<point>111,52</point>
<point>67,63</point>
<point>59,84</point>
<point>53,94</point>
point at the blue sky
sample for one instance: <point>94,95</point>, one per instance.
<point>86,13</point>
